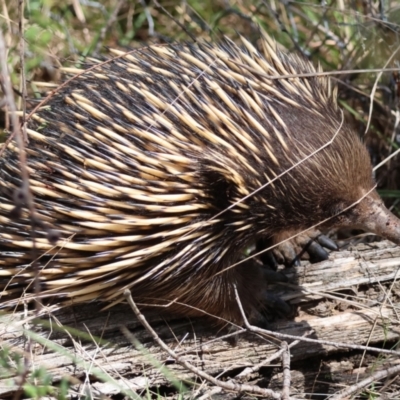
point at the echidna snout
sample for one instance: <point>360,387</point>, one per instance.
<point>371,215</point>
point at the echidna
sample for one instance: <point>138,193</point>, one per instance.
<point>158,167</point>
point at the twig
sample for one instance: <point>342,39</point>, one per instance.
<point>22,65</point>
<point>157,4</point>
<point>232,386</point>
<point>265,332</point>
<point>383,303</point>
<point>251,370</point>
<point>285,356</point>
<point>28,198</point>
<point>149,18</point>
<point>210,393</point>
<point>107,26</point>
<point>286,371</point>
<point>364,383</point>
<point>371,106</point>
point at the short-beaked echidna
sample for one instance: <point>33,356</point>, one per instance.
<point>154,167</point>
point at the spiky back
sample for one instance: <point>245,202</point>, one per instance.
<point>134,161</point>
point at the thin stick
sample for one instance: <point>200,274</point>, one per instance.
<point>251,370</point>
<point>346,393</point>
<point>231,386</point>
<point>286,371</point>
<point>265,332</point>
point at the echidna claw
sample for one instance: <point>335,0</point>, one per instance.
<point>274,276</point>
<point>316,251</point>
<point>310,246</point>
<point>327,243</point>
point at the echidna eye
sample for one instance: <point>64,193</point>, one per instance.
<point>337,209</point>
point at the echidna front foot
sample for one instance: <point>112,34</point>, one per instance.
<point>276,307</point>
<point>273,308</point>
<point>260,305</point>
<point>310,245</point>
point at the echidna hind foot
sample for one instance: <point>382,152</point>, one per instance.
<point>160,166</point>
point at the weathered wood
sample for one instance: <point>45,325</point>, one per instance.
<point>350,298</point>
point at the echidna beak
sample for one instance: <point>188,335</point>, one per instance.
<point>374,217</point>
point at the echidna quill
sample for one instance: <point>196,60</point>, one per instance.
<point>160,166</point>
